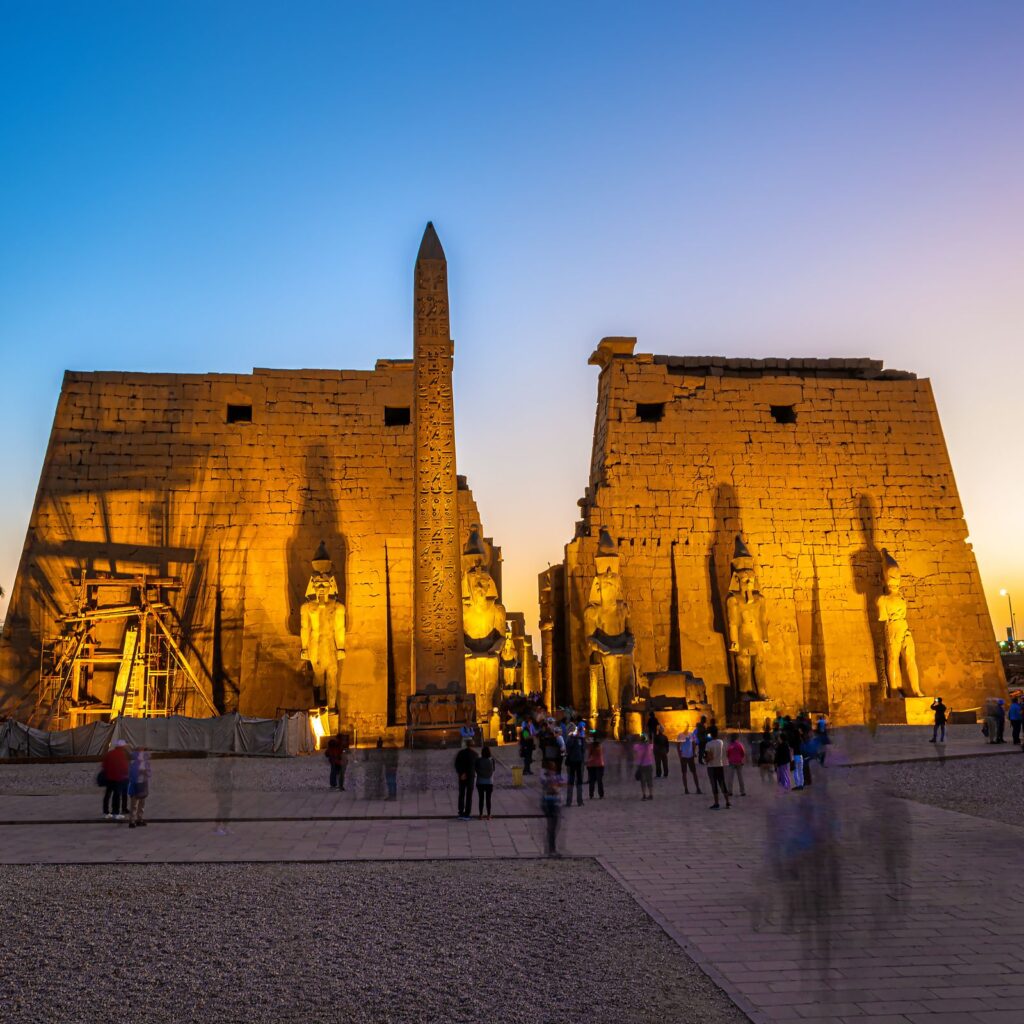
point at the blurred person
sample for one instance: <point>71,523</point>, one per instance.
<point>485,781</point>
<point>661,746</point>
<point>527,745</point>
<point>643,758</point>
<point>115,769</point>
<point>701,732</point>
<point>798,768</point>
<point>686,744</point>
<point>714,760</point>
<point>550,783</point>
<point>783,760</point>
<point>552,745</point>
<point>1000,720</point>
<point>713,728</point>
<point>989,728</point>
<point>390,759</point>
<point>736,755</point>
<point>575,755</point>
<point>139,772</point>
<point>766,757</point>
<point>823,737</point>
<point>809,750</point>
<point>595,768</point>
<point>1014,714</point>
<point>465,768</point>
<point>337,758</point>
<point>223,787</point>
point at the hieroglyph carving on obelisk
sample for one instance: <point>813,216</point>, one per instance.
<point>438,652</point>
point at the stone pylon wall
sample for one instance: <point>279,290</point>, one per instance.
<point>144,473</point>
<point>864,466</point>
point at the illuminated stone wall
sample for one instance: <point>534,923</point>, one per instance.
<point>145,473</point>
<point>690,451</point>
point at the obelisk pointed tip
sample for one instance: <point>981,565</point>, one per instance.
<point>430,247</point>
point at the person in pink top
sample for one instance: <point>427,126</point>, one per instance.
<point>643,758</point>
<point>736,755</point>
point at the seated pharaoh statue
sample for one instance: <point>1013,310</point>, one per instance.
<point>899,643</point>
<point>607,628</point>
<point>748,624</point>
<point>322,621</point>
<point>483,621</point>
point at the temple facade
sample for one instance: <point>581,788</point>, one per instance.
<point>786,530</point>
<point>210,496</point>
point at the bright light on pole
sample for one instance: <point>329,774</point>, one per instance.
<point>1013,622</point>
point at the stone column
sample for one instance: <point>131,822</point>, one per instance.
<point>438,656</point>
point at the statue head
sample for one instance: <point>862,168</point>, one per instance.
<point>607,557</point>
<point>477,583</point>
<point>322,583</point>
<point>890,570</point>
<point>606,589</point>
<point>744,579</point>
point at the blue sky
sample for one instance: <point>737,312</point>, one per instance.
<point>216,186</point>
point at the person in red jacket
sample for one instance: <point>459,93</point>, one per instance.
<point>115,770</point>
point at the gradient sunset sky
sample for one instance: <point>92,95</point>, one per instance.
<point>198,187</point>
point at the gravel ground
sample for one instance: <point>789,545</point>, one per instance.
<point>253,943</point>
<point>987,787</point>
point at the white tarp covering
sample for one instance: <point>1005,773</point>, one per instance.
<point>228,734</point>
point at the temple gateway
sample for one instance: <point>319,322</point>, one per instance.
<point>755,535</point>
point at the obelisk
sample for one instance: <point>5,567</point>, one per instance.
<point>438,655</point>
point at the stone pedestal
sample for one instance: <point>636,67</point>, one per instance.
<point>906,711</point>
<point>437,719</point>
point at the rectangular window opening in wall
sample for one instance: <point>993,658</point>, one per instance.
<point>650,412</point>
<point>397,416</point>
<point>783,413</point>
<point>239,414</point>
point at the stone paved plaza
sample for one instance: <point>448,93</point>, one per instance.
<point>840,903</point>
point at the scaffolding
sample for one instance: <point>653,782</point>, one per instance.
<point>117,654</point>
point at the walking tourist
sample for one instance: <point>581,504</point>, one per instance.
<point>465,768</point>
<point>736,755</point>
<point>552,745</point>
<point>939,729</point>
<point>337,757</point>
<point>798,768</point>
<point>526,747</point>
<point>766,757</point>
<point>686,744</point>
<point>643,758</point>
<point>575,755</point>
<point>783,759</point>
<point>485,781</point>
<point>550,781</point>
<point>1014,714</point>
<point>661,746</point>
<point>595,768</point>
<point>701,732</point>
<point>115,768</point>
<point>1000,720</point>
<point>139,772</point>
<point>714,759</point>
<point>824,739</point>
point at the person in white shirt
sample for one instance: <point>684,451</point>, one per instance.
<point>686,743</point>
<point>714,758</point>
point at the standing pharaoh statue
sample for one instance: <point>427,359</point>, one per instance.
<point>748,624</point>
<point>509,661</point>
<point>607,628</point>
<point>323,628</point>
<point>899,644</point>
<point>483,622</point>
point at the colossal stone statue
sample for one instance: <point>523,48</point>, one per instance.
<point>509,661</point>
<point>483,622</point>
<point>748,624</point>
<point>323,627</point>
<point>899,644</point>
<point>607,628</point>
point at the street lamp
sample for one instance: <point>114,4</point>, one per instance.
<point>1013,622</point>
